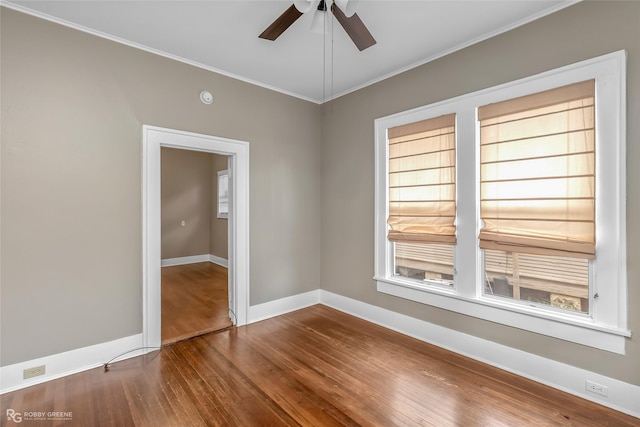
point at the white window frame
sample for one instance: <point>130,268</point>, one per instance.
<point>223,194</point>
<point>606,325</point>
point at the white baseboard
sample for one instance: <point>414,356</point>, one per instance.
<point>285,305</point>
<point>622,396</point>
<point>220,261</point>
<point>69,362</point>
<point>168,262</point>
<point>194,259</point>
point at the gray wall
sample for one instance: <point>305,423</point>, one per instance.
<point>73,106</point>
<point>189,193</point>
<point>582,31</point>
<point>185,196</point>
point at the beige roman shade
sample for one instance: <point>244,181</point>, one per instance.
<point>422,189</point>
<point>537,173</point>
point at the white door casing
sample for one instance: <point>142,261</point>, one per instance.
<point>153,139</point>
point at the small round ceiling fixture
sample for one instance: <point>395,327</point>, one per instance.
<point>206,97</point>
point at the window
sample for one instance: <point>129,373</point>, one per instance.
<point>553,281</point>
<point>223,194</point>
<point>422,205</point>
<point>534,235</point>
<point>537,196</point>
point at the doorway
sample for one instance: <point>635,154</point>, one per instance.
<point>194,244</point>
<point>154,139</point>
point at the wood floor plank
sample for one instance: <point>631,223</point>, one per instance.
<point>312,367</point>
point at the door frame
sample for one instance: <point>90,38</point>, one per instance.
<point>153,139</point>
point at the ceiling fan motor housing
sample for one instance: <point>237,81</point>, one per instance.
<point>348,7</point>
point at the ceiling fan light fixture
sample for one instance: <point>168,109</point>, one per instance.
<point>319,23</point>
<point>305,6</point>
<point>348,7</point>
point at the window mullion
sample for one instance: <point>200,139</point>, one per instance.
<point>467,279</point>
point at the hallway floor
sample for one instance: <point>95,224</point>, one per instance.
<point>194,300</point>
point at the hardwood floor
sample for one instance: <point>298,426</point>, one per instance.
<point>313,367</point>
<point>194,300</point>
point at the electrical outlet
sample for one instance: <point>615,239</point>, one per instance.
<point>596,388</point>
<point>33,372</point>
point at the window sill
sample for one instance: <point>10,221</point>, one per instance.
<point>565,327</point>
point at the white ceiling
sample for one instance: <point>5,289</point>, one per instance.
<point>223,36</point>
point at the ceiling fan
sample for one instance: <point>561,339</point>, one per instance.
<point>343,10</point>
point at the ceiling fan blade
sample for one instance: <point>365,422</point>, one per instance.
<point>283,22</point>
<point>356,29</point>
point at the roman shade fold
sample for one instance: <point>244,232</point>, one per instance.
<point>422,176</point>
<point>537,173</point>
